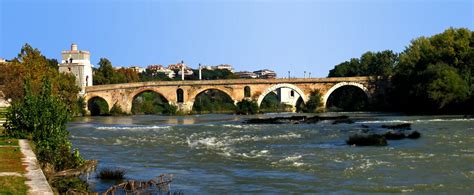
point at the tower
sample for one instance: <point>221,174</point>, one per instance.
<point>78,63</point>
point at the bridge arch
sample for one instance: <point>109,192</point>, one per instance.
<point>137,92</point>
<point>94,105</point>
<point>341,84</point>
<point>278,86</point>
<point>221,89</point>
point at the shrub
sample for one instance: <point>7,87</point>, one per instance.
<point>116,110</point>
<point>246,107</point>
<point>43,119</point>
<point>71,184</point>
<point>170,109</point>
<point>313,103</point>
<point>111,173</point>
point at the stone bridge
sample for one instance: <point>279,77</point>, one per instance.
<point>183,93</point>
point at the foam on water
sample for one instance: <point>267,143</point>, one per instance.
<point>132,127</point>
<point>417,121</point>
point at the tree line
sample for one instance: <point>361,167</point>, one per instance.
<point>432,75</point>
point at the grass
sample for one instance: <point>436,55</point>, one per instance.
<point>13,185</point>
<point>10,161</point>
<point>10,156</point>
<point>5,141</point>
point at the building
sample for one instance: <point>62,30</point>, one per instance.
<point>265,74</point>
<point>137,69</point>
<point>158,68</point>
<point>78,63</point>
<point>187,71</point>
<point>225,67</point>
<point>246,75</point>
<point>2,60</point>
<point>220,67</point>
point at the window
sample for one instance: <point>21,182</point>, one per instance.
<point>246,91</point>
<point>292,93</point>
<point>180,95</point>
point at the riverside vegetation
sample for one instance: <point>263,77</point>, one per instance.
<point>43,101</point>
<point>42,119</point>
<point>432,76</point>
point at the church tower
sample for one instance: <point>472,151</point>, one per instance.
<point>78,63</point>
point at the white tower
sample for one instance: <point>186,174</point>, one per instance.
<point>79,64</point>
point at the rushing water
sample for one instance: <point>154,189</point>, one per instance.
<point>218,153</point>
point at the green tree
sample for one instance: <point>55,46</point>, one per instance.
<point>42,117</point>
<point>313,103</point>
<point>380,67</point>
<point>246,107</point>
<point>32,64</point>
<point>431,66</point>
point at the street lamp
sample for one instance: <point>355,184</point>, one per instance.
<point>200,75</point>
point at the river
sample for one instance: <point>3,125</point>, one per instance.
<point>219,154</point>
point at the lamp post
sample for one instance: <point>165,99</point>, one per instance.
<point>200,75</point>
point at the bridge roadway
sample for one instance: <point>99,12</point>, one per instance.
<point>183,93</point>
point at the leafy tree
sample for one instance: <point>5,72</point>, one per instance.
<point>117,110</point>
<point>380,66</point>
<point>246,107</point>
<point>446,85</point>
<point>432,66</point>
<point>42,117</point>
<point>153,75</point>
<point>127,75</point>
<point>313,103</point>
<point>32,64</point>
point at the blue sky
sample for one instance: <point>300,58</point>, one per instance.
<point>293,35</point>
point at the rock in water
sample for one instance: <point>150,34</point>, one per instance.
<point>398,126</point>
<point>367,140</point>
<point>394,135</point>
<point>347,121</point>
<point>414,135</point>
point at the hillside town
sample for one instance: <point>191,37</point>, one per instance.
<point>174,70</point>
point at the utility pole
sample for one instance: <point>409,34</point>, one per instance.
<point>182,70</point>
<point>304,75</point>
<point>309,74</point>
<point>200,75</point>
<point>288,74</point>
